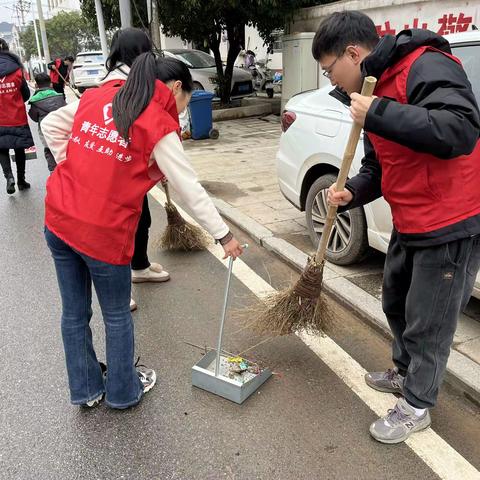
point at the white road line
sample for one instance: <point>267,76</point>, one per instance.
<point>441,457</point>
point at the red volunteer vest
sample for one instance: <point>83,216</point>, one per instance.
<point>425,193</point>
<point>54,76</point>
<point>12,106</point>
<point>94,198</point>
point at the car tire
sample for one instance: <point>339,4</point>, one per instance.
<point>197,86</point>
<point>349,240</point>
<point>81,90</point>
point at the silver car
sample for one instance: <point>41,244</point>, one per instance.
<point>203,70</point>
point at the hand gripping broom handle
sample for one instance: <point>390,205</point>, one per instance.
<point>367,90</point>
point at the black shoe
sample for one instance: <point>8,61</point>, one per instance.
<point>10,185</point>
<point>23,185</point>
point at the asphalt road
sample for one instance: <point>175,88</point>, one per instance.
<point>304,423</point>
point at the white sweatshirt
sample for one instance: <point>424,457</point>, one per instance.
<point>168,153</point>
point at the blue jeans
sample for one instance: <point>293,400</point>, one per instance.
<point>75,273</point>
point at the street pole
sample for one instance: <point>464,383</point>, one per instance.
<point>22,9</point>
<point>149,12</point>
<point>43,33</point>
<point>36,36</point>
<point>101,28</point>
<point>125,13</point>
<point>155,27</point>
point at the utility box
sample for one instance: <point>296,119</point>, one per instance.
<point>301,71</point>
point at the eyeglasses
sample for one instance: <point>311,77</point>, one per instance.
<point>328,70</point>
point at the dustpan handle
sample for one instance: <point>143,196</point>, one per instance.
<point>224,314</point>
<point>367,90</point>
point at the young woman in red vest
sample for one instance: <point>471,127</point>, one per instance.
<point>124,139</point>
<point>14,130</point>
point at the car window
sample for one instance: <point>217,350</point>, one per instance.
<point>469,55</point>
<point>196,59</point>
<point>94,58</point>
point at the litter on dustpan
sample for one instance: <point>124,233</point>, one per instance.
<point>239,365</point>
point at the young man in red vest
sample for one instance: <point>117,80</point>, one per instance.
<point>422,153</point>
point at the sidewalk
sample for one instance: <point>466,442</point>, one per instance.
<point>238,170</point>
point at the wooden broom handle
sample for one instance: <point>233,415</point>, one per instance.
<point>167,191</point>
<point>367,91</point>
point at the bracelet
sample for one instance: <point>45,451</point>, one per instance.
<point>225,239</point>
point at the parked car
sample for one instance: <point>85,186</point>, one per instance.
<point>203,70</point>
<point>315,132</point>
<point>88,69</point>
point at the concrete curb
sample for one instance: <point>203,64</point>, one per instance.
<point>242,112</point>
<point>462,372</point>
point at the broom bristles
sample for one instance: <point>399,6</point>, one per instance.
<point>301,307</point>
<point>181,235</point>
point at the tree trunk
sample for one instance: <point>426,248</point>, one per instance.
<point>214,44</point>
<point>234,48</point>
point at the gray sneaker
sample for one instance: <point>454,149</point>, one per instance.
<point>399,424</point>
<point>390,381</point>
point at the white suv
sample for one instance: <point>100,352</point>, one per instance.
<point>88,69</point>
<point>315,131</point>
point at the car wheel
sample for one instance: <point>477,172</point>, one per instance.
<point>348,241</point>
<point>197,86</point>
<point>81,90</point>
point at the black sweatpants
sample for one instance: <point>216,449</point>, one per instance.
<point>140,257</point>
<point>52,164</point>
<point>424,291</point>
<point>59,88</point>
<point>7,165</point>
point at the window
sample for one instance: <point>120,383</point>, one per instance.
<point>469,55</point>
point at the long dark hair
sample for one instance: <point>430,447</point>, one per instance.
<point>127,45</point>
<point>135,95</point>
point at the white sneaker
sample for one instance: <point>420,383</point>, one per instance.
<point>133,305</point>
<point>154,273</point>
<point>94,402</point>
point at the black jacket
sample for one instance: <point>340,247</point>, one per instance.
<point>44,101</point>
<point>63,69</point>
<point>441,118</point>
<point>14,137</point>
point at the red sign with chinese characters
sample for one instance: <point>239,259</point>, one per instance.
<point>446,24</point>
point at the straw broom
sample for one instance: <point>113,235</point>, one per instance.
<point>179,234</point>
<point>301,307</point>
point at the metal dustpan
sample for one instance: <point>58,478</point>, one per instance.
<point>232,378</point>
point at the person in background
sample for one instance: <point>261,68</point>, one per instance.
<point>59,73</point>
<point>45,100</point>
<point>14,130</point>
<point>69,63</point>
<point>127,45</point>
